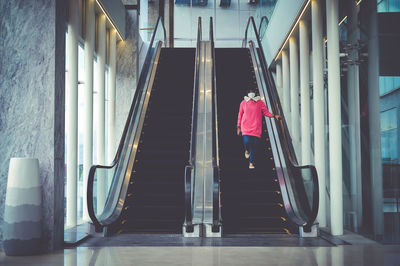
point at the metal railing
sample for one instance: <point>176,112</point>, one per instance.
<point>189,174</point>
<point>215,152</point>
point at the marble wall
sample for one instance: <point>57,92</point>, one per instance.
<point>32,97</point>
<point>32,78</point>
<point>126,72</point>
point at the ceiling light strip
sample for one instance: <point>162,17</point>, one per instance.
<point>293,28</point>
<point>109,19</point>
<point>341,22</point>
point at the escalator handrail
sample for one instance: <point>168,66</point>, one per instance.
<point>282,128</point>
<point>193,136</point>
<point>132,113</point>
<point>264,19</point>
<point>215,152</point>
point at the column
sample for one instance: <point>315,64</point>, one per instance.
<point>111,104</point>
<point>279,78</point>
<point>72,113</point>
<point>319,105</point>
<point>353,104</point>
<point>374,121</point>
<point>285,87</point>
<point>101,58</point>
<point>335,123</point>
<point>294,94</point>
<point>88,125</point>
<point>305,94</point>
<point>111,96</point>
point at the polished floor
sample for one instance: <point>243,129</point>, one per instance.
<point>238,240</point>
<point>203,256</point>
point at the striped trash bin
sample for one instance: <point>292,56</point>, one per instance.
<point>22,212</point>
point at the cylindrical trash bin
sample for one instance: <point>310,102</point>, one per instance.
<point>22,213</point>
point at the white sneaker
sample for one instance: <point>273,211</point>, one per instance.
<point>251,166</point>
<point>247,155</point>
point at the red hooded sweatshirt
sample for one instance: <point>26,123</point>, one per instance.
<point>250,114</point>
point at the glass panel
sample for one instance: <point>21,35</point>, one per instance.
<point>66,136</point>
<point>95,125</point>
<point>81,106</point>
<point>183,23</point>
<point>81,127</point>
<point>230,19</point>
<point>389,136</point>
<point>390,103</point>
<point>388,84</point>
<point>394,6</point>
<point>388,6</point>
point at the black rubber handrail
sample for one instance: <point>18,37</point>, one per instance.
<point>189,168</point>
<point>288,149</point>
<point>133,112</point>
<point>264,20</point>
<point>215,156</point>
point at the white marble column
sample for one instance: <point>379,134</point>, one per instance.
<point>294,94</point>
<point>88,99</point>
<point>111,97</point>
<point>286,87</point>
<point>319,106</point>
<point>101,58</point>
<point>305,93</point>
<point>374,122</point>
<point>279,78</point>
<point>72,113</point>
<point>335,123</point>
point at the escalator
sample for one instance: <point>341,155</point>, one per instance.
<point>180,162</point>
<point>251,199</point>
<point>278,196</point>
<point>147,192</point>
<point>155,199</point>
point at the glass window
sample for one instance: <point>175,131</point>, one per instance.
<point>230,19</point>
<point>388,6</point>
<point>389,135</point>
<point>388,84</point>
<point>66,135</point>
<point>81,106</point>
<point>81,128</point>
<point>95,108</point>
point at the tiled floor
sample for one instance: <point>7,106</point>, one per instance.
<point>203,256</point>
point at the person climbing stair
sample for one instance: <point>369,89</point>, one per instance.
<point>249,123</point>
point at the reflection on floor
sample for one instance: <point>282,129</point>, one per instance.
<point>165,240</point>
<point>203,256</point>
